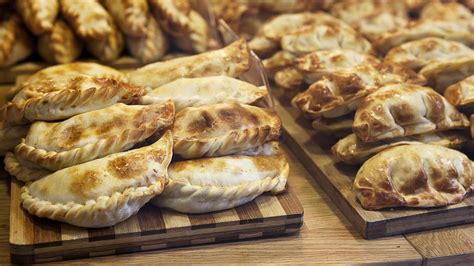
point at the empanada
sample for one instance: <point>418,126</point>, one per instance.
<point>214,184</point>
<point>194,92</point>
<point>461,95</point>
<point>60,45</point>
<point>16,44</point>
<point>441,75</point>
<point>231,60</point>
<point>419,175</point>
<point>437,10</point>
<point>419,53</point>
<point>223,129</point>
<point>377,24</point>
<point>88,18</point>
<point>352,150</point>
<point>102,192</point>
<point>151,46</point>
<point>11,136</point>
<point>38,15</point>
<point>92,135</point>
<point>277,62</point>
<point>198,39</point>
<point>76,95</point>
<point>289,78</point>
<point>23,171</point>
<point>173,15</point>
<point>352,11</point>
<point>403,110</point>
<point>131,16</point>
<point>108,48</point>
<point>11,115</point>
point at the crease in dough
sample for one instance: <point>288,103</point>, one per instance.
<point>23,171</point>
<point>60,45</point>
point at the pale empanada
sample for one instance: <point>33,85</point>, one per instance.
<point>92,135</point>
<point>419,175</point>
<point>437,10</point>
<point>151,46</point>
<point>173,15</point>
<point>198,39</point>
<point>231,60</point>
<point>11,136</point>
<point>337,127</point>
<point>131,16</point>
<point>23,171</point>
<point>108,48</point>
<point>403,110</point>
<point>16,44</point>
<point>88,18</point>
<point>461,95</point>
<point>39,15</point>
<point>214,184</point>
<point>223,129</point>
<point>340,93</point>
<point>289,78</point>
<point>419,53</point>
<point>441,75</point>
<point>277,62</point>
<point>352,150</point>
<point>76,95</point>
<point>194,92</point>
<point>102,192</point>
<point>60,45</point>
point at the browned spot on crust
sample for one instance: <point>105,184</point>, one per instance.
<point>435,107</point>
<point>128,166</point>
<point>411,185</point>
<point>86,182</point>
<point>70,136</point>
<point>203,123</point>
<point>402,113</point>
<point>115,122</point>
<point>445,182</point>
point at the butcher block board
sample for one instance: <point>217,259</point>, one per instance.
<point>336,178</point>
<point>38,240</point>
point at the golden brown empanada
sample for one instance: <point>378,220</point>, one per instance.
<point>16,43</point>
<point>10,136</point>
<point>194,92</point>
<point>461,95</point>
<point>231,60</point>
<point>92,135</point>
<point>377,24</point>
<point>109,48</point>
<point>88,18</point>
<point>131,16</point>
<point>11,115</point>
<point>403,110</point>
<point>60,45</point>
<point>419,53</point>
<point>102,192</point>
<point>173,15</point>
<point>223,129</point>
<point>151,46</point>
<point>352,150</point>
<point>198,39</point>
<point>23,171</point>
<point>437,10</point>
<point>214,184</point>
<point>419,175</point>
<point>38,15</point>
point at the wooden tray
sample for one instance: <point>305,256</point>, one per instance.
<point>38,240</point>
<point>336,179</point>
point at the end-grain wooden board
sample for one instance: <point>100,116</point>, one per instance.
<point>336,179</point>
<point>37,240</point>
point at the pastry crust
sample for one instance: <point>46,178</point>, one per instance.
<point>461,95</point>
<point>437,10</point>
<point>198,39</point>
<point>214,184</point>
<point>92,135</point>
<point>60,45</point>
<point>11,115</point>
<point>403,110</point>
<point>151,46</point>
<point>102,192</point>
<point>223,129</point>
<point>419,53</point>
<point>88,18</point>
<point>23,171</point>
<point>11,136</point>
<point>263,47</point>
<point>77,95</point>
<point>16,43</point>
<point>173,15</point>
<point>232,60</point>
<point>39,15</point>
<point>109,47</point>
<point>352,11</point>
<point>352,150</point>
<point>289,78</point>
<point>419,175</point>
<point>277,62</point>
<point>131,16</point>
<point>195,92</point>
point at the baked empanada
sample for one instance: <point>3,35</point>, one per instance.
<point>231,60</point>
<point>131,16</point>
<point>108,48</point>
<point>11,136</point>
<point>173,15</point>
<point>277,62</point>
<point>198,39</point>
<point>151,46</point>
<point>437,10</point>
<point>351,11</point>
<point>419,175</point>
<point>88,18</point>
<point>76,95</point>
<point>441,75</point>
<point>377,24</point>
<point>60,45</point>
<point>194,92</point>
<point>352,150</point>
<point>16,44</point>
<point>23,171</point>
<point>102,192</point>
<point>214,184</point>
<point>461,95</point>
<point>11,115</point>
<point>289,78</point>
<point>38,15</point>
<point>402,110</point>
<point>223,129</point>
<point>92,135</point>
<point>419,53</point>
<point>337,127</point>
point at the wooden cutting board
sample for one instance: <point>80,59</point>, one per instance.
<point>336,179</point>
<point>37,240</point>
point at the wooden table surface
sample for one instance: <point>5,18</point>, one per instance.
<point>326,237</point>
